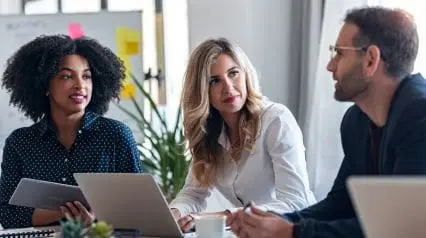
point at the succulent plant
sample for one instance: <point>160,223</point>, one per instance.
<point>100,229</point>
<point>73,228</point>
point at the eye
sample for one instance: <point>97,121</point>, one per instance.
<point>66,76</point>
<point>213,81</point>
<point>87,76</point>
<point>234,73</point>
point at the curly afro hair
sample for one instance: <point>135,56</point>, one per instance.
<point>29,71</point>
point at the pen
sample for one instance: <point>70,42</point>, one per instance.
<point>247,206</point>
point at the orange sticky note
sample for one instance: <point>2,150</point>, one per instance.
<point>75,31</point>
<point>128,91</point>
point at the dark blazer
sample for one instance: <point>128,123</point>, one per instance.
<point>402,152</point>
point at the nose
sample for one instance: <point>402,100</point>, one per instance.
<point>79,82</point>
<point>331,66</point>
<point>228,85</point>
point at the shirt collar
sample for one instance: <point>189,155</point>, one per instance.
<point>223,139</point>
<point>46,123</point>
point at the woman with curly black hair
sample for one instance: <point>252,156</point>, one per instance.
<point>64,85</point>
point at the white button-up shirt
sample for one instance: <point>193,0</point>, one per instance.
<point>273,174</point>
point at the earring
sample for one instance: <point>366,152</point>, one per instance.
<point>47,94</point>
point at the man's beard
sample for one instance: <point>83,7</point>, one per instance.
<point>350,85</point>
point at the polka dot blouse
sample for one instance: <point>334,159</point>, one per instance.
<point>101,145</point>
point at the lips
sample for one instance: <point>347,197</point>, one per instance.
<point>231,99</point>
<point>78,98</point>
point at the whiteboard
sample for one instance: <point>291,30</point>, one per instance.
<point>120,31</point>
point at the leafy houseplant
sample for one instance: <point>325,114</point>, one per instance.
<point>164,153</point>
<point>74,228</point>
<point>100,229</point>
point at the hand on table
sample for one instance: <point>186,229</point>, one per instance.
<point>187,222</point>
<point>260,224</point>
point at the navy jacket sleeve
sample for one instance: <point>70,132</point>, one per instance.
<point>334,216</point>
<point>348,228</point>
<point>410,144</point>
<point>331,217</point>
<point>12,216</point>
<point>336,205</point>
<point>126,152</point>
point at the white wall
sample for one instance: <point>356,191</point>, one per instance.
<point>176,51</point>
<point>10,6</point>
<point>263,29</point>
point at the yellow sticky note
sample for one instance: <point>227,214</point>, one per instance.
<point>132,47</point>
<point>128,91</point>
<point>128,40</point>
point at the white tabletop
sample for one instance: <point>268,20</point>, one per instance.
<point>228,234</point>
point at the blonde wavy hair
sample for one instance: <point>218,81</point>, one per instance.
<point>203,123</point>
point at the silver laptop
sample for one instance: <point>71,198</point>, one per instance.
<point>129,201</point>
<point>390,207</point>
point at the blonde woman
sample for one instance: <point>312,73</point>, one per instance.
<point>249,148</point>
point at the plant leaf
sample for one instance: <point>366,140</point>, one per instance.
<point>178,121</point>
<point>150,100</point>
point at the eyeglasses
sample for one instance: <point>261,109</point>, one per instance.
<point>333,49</point>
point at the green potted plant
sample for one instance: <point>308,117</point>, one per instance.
<point>163,153</point>
<point>100,229</point>
<point>74,228</point>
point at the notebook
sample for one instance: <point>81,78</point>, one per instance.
<point>26,233</point>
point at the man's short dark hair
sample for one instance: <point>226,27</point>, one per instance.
<point>393,31</point>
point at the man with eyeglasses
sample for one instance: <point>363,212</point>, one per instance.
<point>383,133</point>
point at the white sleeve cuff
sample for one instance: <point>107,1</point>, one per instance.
<point>183,208</point>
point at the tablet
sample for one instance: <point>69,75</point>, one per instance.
<point>45,195</point>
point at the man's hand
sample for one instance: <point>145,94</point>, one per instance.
<point>260,224</point>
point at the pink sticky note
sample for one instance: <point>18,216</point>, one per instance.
<point>75,31</point>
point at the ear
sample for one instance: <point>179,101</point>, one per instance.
<point>372,60</point>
